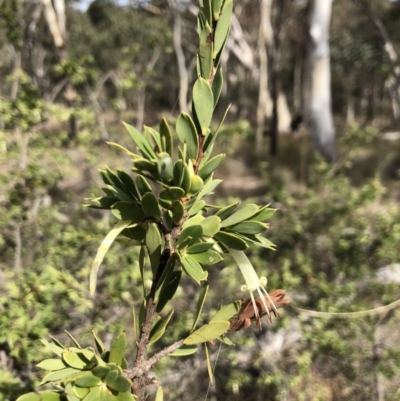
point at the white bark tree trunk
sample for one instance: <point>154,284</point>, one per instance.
<point>319,99</point>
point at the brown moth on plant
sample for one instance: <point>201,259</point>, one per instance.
<point>266,306</point>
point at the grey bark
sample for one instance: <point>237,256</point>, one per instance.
<point>264,40</point>
<point>319,96</point>
<point>272,102</point>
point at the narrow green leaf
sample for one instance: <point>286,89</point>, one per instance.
<point>209,257</point>
<point>88,381</point>
<point>195,232</point>
<point>166,273</point>
<point>127,211</point>
<point>200,248</point>
<point>207,332</point>
<point>208,11</point>
<point>172,193</point>
<point>124,396</point>
<point>193,268</point>
<point>217,86</point>
<point>178,173</point>
<point>57,342</point>
<point>52,364</point>
<point>122,384</point>
<point>209,186</point>
<point>122,195</point>
<point>141,142</point>
<point>206,51</point>
<point>159,394</point>
<point>103,202</point>
<point>211,166</point>
<point>100,371</point>
<point>103,249</point>
<point>115,181</point>
<point>128,183</point>
<point>200,304</point>
<point>243,213</point>
<point>73,359</point>
<point>165,166</point>
<point>120,147</point>
<point>203,100</point>
<point>155,136</point>
<point>146,165</point>
<point>99,344</point>
<point>69,392</point>
<point>196,183</point>
<point>135,232</point>
<point>142,185</point>
<point>177,211</point>
<point>185,350</point>
<point>94,394</point>
<point>168,289</point>
<point>211,225</point>
<point>118,349</point>
<point>197,207</point>
<point>154,244</point>
<point>231,241</point>
<point>165,133</point>
<point>209,368</point>
<point>227,311</point>
<point>185,184</point>
<point>80,392</point>
<point>41,396</point>
<point>159,328</point>
<point>193,221</point>
<point>59,375</point>
<point>187,133</point>
<point>209,143</point>
<point>53,347</point>
<point>111,376</point>
<point>105,177</point>
<point>223,27</point>
<point>142,255</point>
<point>249,227</point>
<point>225,212</point>
<point>264,214</point>
<point>216,6</point>
<point>150,206</point>
<point>135,325</point>
<point>266,243</point>
<point>167,215</point>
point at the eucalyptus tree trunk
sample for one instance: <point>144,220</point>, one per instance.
<point>319,96</point>
<point>54,13</point>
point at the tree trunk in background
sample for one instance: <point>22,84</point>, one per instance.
<point>272,103</point>
<point>394,84</point>
<point>264,40</point>
<point>180,57</point>
<point>275,76</point>
<point>55,17</point>
<point>319,97</point>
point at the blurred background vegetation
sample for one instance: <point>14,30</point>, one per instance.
<point>337,230</point>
